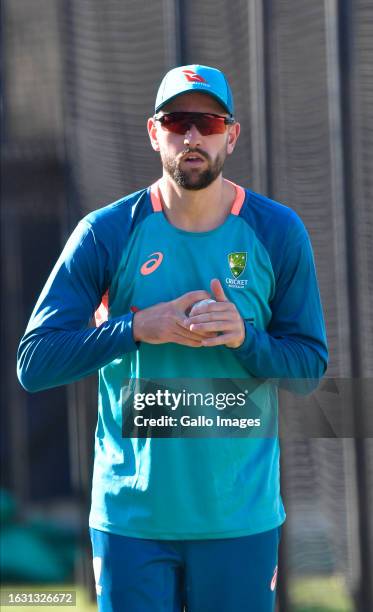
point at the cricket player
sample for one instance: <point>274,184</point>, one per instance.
<point>182,522</point>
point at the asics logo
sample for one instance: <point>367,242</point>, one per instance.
<point>274,579</point>
<point>193,77</point>
<point>152,264</point>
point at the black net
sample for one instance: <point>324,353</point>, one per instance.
<point>79,83</point>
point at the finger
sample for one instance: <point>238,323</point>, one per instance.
<point>222,339</point>
<point>212,307</point>
<point>218,290</point>
<point>209,316</point>
<point>212,326</point>
<point>178,339</point>
<point>187,333</point>
<point>205,334</point>
<point>196,335</point>
<point>190,298</point>
<point>184,325</point>
<point>223,311</point>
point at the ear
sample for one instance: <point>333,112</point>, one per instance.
<point>233,134</point>
<point>153,134</point>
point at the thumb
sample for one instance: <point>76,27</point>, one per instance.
<point>218,290</point>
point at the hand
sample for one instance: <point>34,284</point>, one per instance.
<point>164,322</point>
<point>221,316</point>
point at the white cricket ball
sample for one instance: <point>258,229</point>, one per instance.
<point>201,303</point>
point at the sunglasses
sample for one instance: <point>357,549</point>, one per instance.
<point>206,123</point>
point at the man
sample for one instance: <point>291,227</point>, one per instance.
<point>179,521</point>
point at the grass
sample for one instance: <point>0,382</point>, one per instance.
<point>316,594</point>
<point>320,594</point>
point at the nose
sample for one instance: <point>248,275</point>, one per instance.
<point>192,136</point>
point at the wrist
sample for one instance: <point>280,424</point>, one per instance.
<point>136,327</point>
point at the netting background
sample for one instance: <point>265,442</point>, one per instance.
<point>79,80</point>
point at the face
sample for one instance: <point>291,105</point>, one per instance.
<point>176,150</point>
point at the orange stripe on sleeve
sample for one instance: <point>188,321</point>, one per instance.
<point>102,312</point>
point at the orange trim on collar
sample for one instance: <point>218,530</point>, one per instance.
<point>239,200</point>
<point>236,206</point>
<point>155,197</point>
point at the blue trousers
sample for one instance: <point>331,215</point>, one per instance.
<point>218,575</point>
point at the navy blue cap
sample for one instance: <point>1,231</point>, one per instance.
<point>205,79</point>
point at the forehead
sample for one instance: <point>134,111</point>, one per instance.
<point>195,102</point>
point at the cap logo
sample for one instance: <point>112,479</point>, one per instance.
<point>193,77</point>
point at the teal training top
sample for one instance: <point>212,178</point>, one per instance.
<point>179,488</point>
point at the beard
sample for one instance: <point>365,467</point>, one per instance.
<point>193,178</point>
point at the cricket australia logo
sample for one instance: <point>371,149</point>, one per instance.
<point>237,265</point>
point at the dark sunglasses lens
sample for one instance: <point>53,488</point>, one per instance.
<point>208,124</point>
<point>179,123</point>
<point>175,122</point>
